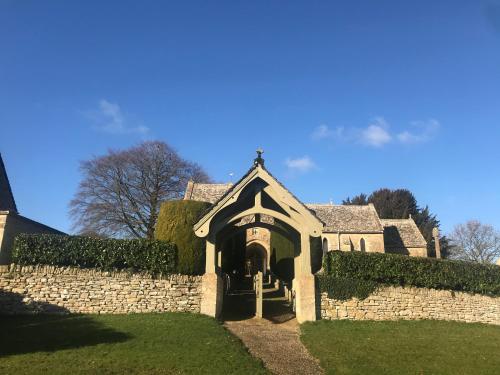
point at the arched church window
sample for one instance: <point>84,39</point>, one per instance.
<point>362,245</point>
<point>325,246</point>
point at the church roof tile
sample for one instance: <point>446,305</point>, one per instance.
<point>399,233</point>
<point>348,218</point>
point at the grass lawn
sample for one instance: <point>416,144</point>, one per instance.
<point>404,347</point>
<point>170,343</point>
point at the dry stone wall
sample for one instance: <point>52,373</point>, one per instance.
<point>72,290</point>
<point>410,303</point>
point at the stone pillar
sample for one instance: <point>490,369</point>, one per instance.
<point>212,287</point>
<point>258,295</point>
<point>303,283</point>
<point>219,261</point>
<point>437,245</point>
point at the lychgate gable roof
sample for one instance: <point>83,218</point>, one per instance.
<point>289,209</point>
<point>7,202</point>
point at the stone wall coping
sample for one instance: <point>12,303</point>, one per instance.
<point>68,270</point>
<point>381,289</point>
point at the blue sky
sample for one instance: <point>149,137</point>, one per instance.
<point>344,97</point>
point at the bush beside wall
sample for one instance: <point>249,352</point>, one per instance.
<point>282,255</point>
<point>156,257</point>
<point>342,288</point>
<point>175,224</point>
<point>356,274</point>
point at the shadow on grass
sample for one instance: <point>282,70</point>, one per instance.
<point>40,332</point>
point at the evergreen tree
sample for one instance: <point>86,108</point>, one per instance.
<point>394,204</point>
<point>360,199</point>
<point>401,204</point>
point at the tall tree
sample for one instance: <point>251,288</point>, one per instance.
<point>476,242</point>
<point>121,192</point>
<point>394,204</point>
<point>360,199</point>
<point>390,204</point>
<point>400,204</point>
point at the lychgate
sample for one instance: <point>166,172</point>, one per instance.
<point>258,200</point>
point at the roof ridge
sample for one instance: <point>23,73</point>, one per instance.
<point>212,183</point>
<point>407,219</point>
<point>337,205</point>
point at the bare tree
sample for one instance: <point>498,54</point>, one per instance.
<point>476,242</point>
<point>121,192</point>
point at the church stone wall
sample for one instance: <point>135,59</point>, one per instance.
<point>410,303</point>
<point>411,251</point>
<point>374,242</point>
<point>51,289</point>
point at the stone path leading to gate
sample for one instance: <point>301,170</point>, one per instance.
<point>275,339</point>
<point>277,345</point>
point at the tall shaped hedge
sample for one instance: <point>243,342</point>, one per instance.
<point>175,224</point>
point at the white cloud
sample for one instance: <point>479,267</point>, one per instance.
<point>321,132</point>
<point>110,118</point>
<point>376,134</point>
<point>423,131</point>
<point>301,165</point>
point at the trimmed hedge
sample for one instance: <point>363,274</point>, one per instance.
<point>345,288</point>
<point>282,255</point>
<point>156,257</point>
<point>175,224</point>
<point>349,274</point>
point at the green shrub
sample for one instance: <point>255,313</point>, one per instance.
<point>175,224</point>
<point>316,246</point>
<point>392,269</point>
<point>282,254</point>
<point>91,252</point>
<point>346,288</point>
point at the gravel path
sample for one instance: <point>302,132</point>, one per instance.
<point>274,340</point>
<point>277,345</point>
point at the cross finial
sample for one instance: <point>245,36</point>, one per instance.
<point>259,159</point>
<point>435,232</point>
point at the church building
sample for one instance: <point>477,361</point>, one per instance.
<point>346,227</point>
<point>258,207</point>
<point>11,222</point>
